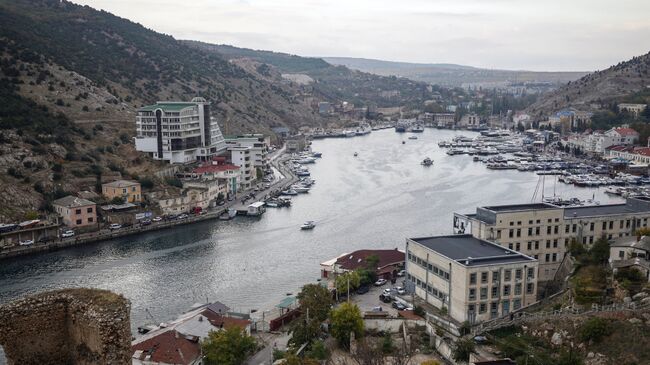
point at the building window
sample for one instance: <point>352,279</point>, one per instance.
<point>611,224</point>
<point>566,229</point>
<point>483,293</point>
<point>78,221</point>
<point>555,243</point>
<point>537,245</point>
<point>472,279</point>
<point>516,304</point>
<point>530,231</point>
<point>507,275</point>
<point>495,276</point>
<point>482,308</point>
<point>531,273</point>
<point>90,220</point>
<point>510,245</point>
<point>517,246</point>
<point>548,243</point>
<point>506,290</point>
<point>591,226</point>
<point>518,232</point>
<point>89,210</point>
<point>77,211</point>
<point>529,245</point>
<point>604,226</point>
<point>511,233</point>
<point>554,257</point>
<point>537,231</point>
<point>518,289</point>
<point>495,291</point>
<point>530,288</point>
<point>471,308</point>
<point>472,294</point>
<point>573,228</point>
<point>621,254</point>
<point>548,229</point>
<point>548,258</point>
<point>557,229</point>
<point>518,273</point>
<point>484,277</point>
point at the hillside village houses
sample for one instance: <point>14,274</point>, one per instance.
<point>76,212</point>
<point>129,191</point>
<point>570,119</point>
<point>598,142</point>
<point>389,264</point>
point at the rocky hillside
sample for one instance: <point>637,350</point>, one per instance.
<point>330,82</point>
<point>71,79</point>
<point>598,89</point>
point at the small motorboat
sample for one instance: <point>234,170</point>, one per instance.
<point>427,162</point>
<point>308,225</point>
<point>228,215</point>
<point>289,192</point>
<point>356,154</point>
<point>403,142</point>
<point>413,137</point>
<point>300,188</point>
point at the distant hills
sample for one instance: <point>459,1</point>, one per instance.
<point>450,74</point>
<point>628,81</point>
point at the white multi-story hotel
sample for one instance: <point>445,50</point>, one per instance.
<point>241,156</point>
<point>475,280</point>
<point>258,143</point>
<point>178,132</point>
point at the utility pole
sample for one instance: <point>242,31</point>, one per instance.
<point>348,287</point>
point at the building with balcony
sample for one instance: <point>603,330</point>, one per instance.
<point>475,280</point>
<point>178,132</point>
<point>130,191</point>
<point>259,147</point>
<point>544,231</point>
<point>76,212</point>
<point>241,157</point>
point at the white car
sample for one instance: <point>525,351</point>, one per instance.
<point>115,226</point>
<point>401,290</point>
<point>401,273</point>
<point>183,216</point>
<point>388,291</point>
<point>380,282</point>
<point>157,219</point>
<point>68,233</point>
<point>26,242</point>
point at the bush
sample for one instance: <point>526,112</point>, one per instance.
<point>318,351</point>
<point>12,171</point>
<point>124,138</point>
<point>172,181</point>
<point>146,183</point>
<point>57,167</point>
<point>463,349</point>
<point>595,329</point>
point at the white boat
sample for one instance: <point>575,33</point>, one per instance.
<point>228,214</point>
<point>350,133</point>
<point>413,137</point>
<point>308,225</point>
<point>418,128</point>
<point>306,160</point>
<point>300,189</point>
<point>289,192</point>
<point>356,154</point>
<point>302,173</point>
<point>427,162</point>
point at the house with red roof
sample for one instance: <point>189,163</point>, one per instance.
<point>623,136</point>
<point>389,263</point>
<point>638,155</point>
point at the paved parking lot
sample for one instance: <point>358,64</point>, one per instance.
<point>369,300</point>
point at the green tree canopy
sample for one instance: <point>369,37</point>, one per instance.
<point>600,251</point>
<point>342,281</point>
<point>228,347</point>
<point>346,319</point>
<point>317,300</point>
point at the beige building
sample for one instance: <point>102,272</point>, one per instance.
<point>130,191</point>
<point>76,212</point>
<point>635,109</point>
<point>631,253</point>
<point>544,231</point>
<point>474,279</point>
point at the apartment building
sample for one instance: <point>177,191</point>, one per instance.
<point>76,212</point>
<point>130,191</point>
<point>474,279</point>
<point>226,174</point>
<point>258,143</point>
<point>178,132</point>
<point>635,109</point>
<point>241,156</point>
<point>544,231</point>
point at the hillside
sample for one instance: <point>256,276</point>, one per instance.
<point>331,82</point>
<point>72,78</point>
<point>627,81</point>
<point>451,75</point>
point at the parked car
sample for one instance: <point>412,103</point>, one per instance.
<point>145,222</point>
<point>363,289</point>
<point>68,233</point>
<point>380,282</point>
<point>388,290</point>
<point>386,298</point>
<point>401,290</point>
<point>399,306</point>
<point>377,309</point>
<point>401,273</point>
<point>157,219</point>
<point>26,242</point>
<point>183,216</point>
<point>114,226</point>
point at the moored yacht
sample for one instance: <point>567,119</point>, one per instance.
<point>427,161</point>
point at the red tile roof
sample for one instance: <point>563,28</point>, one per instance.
<point>211,168</point>
<point>224,322</point>
<point>626,131</point>
<point>357,259</point>
<point>169,347</point>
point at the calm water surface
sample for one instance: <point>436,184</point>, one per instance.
<point>374,200</point>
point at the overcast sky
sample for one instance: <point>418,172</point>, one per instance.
<point>539,35</point>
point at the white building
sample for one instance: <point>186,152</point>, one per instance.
<point>241,156</point>
<point>623,136</point>
<point>475,280</point>
<point>178,132</point>
<point>635,109</point>
<point>469,121</point>
<point>258,143</point>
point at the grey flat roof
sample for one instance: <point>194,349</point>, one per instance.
<point>598,210</point>
<point>463,246</point>
<point>519,207</point>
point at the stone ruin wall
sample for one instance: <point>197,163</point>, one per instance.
<point>71,326</point>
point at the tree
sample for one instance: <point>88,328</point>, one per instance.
<point>594,329</point>
<point>118,200</point>
<point>371,262</point>
<point>317,300</point>
<point>600,251</point>
<point>342,281</point>
<point>346,319</point>
<point>227,347</point>
<point>463,349</point>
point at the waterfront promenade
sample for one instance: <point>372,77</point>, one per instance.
<point>277,161</point>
